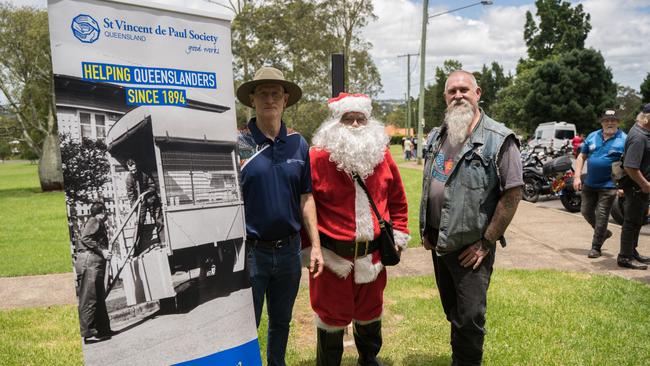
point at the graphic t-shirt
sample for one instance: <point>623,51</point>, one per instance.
<point>510,171</point>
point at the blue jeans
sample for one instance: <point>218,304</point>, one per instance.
<point>275,273</point>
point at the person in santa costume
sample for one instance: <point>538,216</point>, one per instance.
<point>351,287</point>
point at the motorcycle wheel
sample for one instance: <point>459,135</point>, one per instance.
<point>531,190</point>
<point>571,201</point>
<point>617,210</point>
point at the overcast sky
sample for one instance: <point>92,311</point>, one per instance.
<point>482,34</point>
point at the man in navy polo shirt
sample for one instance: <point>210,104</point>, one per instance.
<point>276,182</point>
<point>600,149</point>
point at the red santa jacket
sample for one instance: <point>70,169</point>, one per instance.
<point>341,204</point>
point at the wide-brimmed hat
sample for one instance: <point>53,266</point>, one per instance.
<point>268,75</point>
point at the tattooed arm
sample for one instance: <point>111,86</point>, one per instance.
<point>503,214</point>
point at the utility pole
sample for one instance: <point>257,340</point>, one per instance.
<point>423,51</point>
<point>408,89</point>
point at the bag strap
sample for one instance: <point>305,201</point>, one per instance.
<point>365,189</point>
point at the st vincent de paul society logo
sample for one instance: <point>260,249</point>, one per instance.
<point>85,28</point>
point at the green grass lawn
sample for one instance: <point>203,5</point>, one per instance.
<point>40,336</point>
<point>33,225</point>
<point>534,318</point>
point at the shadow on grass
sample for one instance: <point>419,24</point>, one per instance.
<point>409,360</point>
<point>19,192</point>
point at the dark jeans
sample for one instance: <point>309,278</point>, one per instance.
<point>463,293</point>
<point>276,274</point>
<point>93,316</point>
<point>635,209</point>
<point>596,207</point>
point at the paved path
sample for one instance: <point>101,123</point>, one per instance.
<point>538,238</point>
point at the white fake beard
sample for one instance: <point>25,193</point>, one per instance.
<point>353,149</point>
<point>458,118</point>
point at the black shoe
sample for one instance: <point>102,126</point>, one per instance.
<point>641,258</point>
<point>630,263</point>
<point>95,339</point>
<point>594,253</point>
<point>608,234</point>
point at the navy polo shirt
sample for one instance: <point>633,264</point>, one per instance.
<point>274,174</point>
<point>600,156</point>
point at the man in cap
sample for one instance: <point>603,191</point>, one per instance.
<point>350,290</point>
<point>276,183</point>
<point>600,149</point>
<point>139,182</point>
<point>471,188</point>
<point>636,162</point>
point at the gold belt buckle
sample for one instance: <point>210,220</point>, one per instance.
<point>356,248</point>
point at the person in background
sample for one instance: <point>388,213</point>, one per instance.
<point>636,162</point>
<point>90,266</point>
<point>576,142</point>
<point>600,149</point>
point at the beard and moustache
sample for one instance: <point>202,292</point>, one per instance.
<point>458,118</point>
<point>353,149</point>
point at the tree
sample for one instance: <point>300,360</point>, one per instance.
<point>26,83</point>
<point>573,87</point>
<point>629,104</point>
<point>491,80</point>
<point>273,33</point>
<point>5,150</point>
<point>85,168</point>
<point>347,17</point>
<point>645,89</point>
<point>561,28</point>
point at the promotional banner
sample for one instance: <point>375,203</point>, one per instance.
<point>146,113</point>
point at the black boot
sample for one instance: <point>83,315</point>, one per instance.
<point>329,347</point>
<point>368,340</point>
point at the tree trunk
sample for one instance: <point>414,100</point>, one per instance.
<point>49,166</point>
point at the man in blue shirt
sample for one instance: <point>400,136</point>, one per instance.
<point>600,149</point>
<point>276,183</point>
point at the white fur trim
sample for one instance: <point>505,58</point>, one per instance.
<point>366,322</point>
<point>338,265</point>
<point>365,228</point>
<point>401,239</point>
<point>326,327</point>
<point>365,271</point>
<point>351,103</point>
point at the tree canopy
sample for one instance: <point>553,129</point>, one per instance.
<point>273,33</point>
<point>645,89</point>
<point>561,28</point>
<point>26,83</point>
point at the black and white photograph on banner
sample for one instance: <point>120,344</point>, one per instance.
<point>151,174</point>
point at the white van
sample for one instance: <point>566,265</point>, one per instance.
<point>553,134</point>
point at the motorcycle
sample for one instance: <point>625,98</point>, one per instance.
<point>553,178</point>
<point>618,210</point>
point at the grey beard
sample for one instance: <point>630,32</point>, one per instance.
<point>356,150</point>
<point>458,119</point>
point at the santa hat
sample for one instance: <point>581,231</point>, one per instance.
<point>350,103</point>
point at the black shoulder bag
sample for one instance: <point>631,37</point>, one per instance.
<point>386,240</point>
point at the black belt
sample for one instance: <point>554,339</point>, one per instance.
<point>348,248</point>
<point>275,244</point>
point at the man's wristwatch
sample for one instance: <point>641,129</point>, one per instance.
<point>486,244</point>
